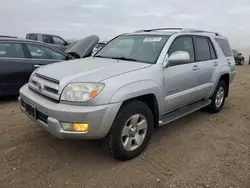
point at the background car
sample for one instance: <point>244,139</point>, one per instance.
<point>98,46</point>
<point>50,39</point>
<point>238,57</point>
<point>20,57</point>
<point>84,47</point>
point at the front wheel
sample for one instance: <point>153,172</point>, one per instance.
<point>218,98</point>
<point>131,131</point>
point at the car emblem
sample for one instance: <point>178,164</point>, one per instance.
<point>39,86</point>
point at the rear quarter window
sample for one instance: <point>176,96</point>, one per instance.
<point>225,47</point>
<point>32,36</point>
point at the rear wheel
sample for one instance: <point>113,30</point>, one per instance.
<point>131,131</point>
<point>242,62</point>
<point>218,98</point>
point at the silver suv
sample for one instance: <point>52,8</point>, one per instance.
<point>134,84</point>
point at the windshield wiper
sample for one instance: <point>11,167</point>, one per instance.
<point>123,58</point>
<point>118,58</point>
<point>100,56</point>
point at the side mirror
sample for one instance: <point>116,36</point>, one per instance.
<point>239,53</point>
<point>178,57</point>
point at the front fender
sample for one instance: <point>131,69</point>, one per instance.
<point>140,88</point>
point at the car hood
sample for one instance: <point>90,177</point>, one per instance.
<point>83,48</point>
<point>89,69</point>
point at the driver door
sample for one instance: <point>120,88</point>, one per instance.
<point>41,55</point>
<point>181,79</point>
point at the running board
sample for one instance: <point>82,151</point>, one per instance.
<point>181,112</point>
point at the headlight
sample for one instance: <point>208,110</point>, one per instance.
<point>81,92</point>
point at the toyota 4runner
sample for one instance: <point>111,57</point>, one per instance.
<point>137,82</point>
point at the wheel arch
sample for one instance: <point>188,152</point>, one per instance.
<point>147,91</point>
<point>151,101</point>
<point>225,76</point>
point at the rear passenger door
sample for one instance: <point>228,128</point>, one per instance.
<point>15,68</point>
<point>207,62</point>
<point>42,55</point>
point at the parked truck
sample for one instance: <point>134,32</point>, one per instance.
<point>53,40</point>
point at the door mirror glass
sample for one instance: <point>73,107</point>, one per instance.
<point>178,57</point>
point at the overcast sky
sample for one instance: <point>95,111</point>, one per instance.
<point>107,18</point>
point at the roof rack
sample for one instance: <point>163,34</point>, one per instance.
<point>201,31</point>
<point>159,29</point>
<point>179,30</point>
<point>7,36</point>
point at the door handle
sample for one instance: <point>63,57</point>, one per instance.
<point>37,66</point>
<point>216,63</point>
<point>195,67</point>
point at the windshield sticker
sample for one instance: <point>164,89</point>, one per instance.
<point>155,39</point>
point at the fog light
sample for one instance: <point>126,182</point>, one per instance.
<point>80,126</point>
<point>66,126</point>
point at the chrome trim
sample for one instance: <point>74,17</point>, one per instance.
<point>44,92</point>
<point>198,88</point>
<point>45,82</point>
<point>54,60</point>
<point>13,58</point>
<point>44,85</point>
<point>47,78</point>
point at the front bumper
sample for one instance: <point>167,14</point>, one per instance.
<point>99,118</point>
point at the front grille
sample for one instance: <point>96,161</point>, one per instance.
<point>42,117</point>
<point>47,78</point>
<point>34,82</point>
<point>53,100</point>
<point>51,90</point>
<point>45,86</point>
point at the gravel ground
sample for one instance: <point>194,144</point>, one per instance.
<point>200,150</point>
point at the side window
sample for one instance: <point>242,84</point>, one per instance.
<point>225,47</point>
<point>58,40</point>
<point>42,52</point>
<point>212,50</point>
<point>184,43</point>
<point>202,48</point>
<point>11,50</point>
<point>47,39</point>
<point>32,36</point>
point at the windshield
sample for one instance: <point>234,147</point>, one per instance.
<point>141,48</point>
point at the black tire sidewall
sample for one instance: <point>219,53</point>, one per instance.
<point>124,114</point>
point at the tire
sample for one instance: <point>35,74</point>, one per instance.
<point>215,107</point>
<point>118,145</point>
<point>242,62</point>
